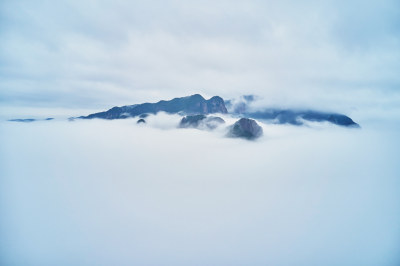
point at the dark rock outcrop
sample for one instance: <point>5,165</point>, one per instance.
<point>245,128</point>
<point>201,122</point>
<point>24,120</point>
<point>194,104</point>
<point>28,120</point>
<point>141,121</point>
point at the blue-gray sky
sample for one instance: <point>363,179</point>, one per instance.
<point>97,54</point>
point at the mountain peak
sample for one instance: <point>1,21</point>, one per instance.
<point>196,96</point>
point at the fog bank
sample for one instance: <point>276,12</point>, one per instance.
<point>116,193</point>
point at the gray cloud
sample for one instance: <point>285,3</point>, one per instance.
<point>99,54</point>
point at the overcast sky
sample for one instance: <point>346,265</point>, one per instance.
<point>97,54</point>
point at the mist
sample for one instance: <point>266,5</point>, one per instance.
<point>96,192</point>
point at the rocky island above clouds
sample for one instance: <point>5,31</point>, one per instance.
<point>195,112</point>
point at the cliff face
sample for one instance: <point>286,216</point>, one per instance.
<point>216,105</point>
<point>194,104</point>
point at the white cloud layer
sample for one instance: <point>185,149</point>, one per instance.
<point>116,193</point>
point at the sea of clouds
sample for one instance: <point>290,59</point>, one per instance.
<point>95,192</point>
<point>98,192</point>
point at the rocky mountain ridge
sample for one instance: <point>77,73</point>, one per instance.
<point>197,112</point>
<point>190,105</point>
<point>197,105</point>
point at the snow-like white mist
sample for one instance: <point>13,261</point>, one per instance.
<point>96,192</point>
